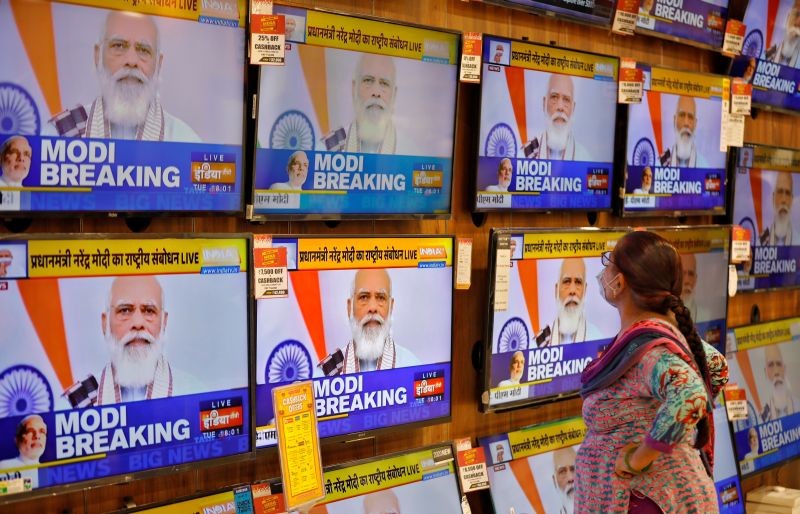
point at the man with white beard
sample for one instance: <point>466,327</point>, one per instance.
<point>128,61</point>
<point>788,51</point>
<point>684,152</point>
<point>134,325</point>
<point>374,94</point>
<point>782,402</point>
<point>369,309</point>
<point>570,325</point>
<point>781,232</point>
<point>557,140</point>
<point>564,478</point>
<point>689,267</point>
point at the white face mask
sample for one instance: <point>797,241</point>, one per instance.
<point>603,285</point>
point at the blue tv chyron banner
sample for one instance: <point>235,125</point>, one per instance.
<point>726,474</point>
<point>767,203</point>
<point>770,53</point>
<point>359,121</point>
<point>546,138</point>
<point>100,108</point>
<point>673,163</point>
<point>354,322</point>
<point>699,21</point>
<point>108,368</point>
<point>766,363</point>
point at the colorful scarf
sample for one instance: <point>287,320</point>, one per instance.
<point>627,349</point>
<point>386,361</point>
<point>161,386</point>
<point>77,123</point>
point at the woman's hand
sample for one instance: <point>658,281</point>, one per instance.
<point>634,459</point>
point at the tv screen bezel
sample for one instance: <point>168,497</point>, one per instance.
<point>374,432</point>
<point>245,176</point>
<point>133,476</point>
<point>585,19</point>
<point>474,191</point>
<point>253,216</point>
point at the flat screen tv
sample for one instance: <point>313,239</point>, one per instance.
<point>695,22</point>
<point>547,319</point>
<point>121,356</point>
<point>533,469</point>
<point>107,111</point>
<point>222,502</point>
<point>597,12</point>
<point>769,59</point>
<point>673,165</point>
<point>369,320</point>
<point>705,256</point>
<point>546,131</point>
<point>766,364</point>
<point>726,473</point>
<point>766,201</point>
<point>359,122</point>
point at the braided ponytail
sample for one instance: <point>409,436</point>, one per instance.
<point>687,328</point>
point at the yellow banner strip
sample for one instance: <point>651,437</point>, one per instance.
<point>568,244</point>
<point>373,252</point>
<point>352,33</point>
<point>547,437</point>
<point>98,257</point>
<point>685,83</point>
<point>697,240</point>
<point>182,9</point>
<point>560,60</point>
<point>763,334</point>
<point>778,159</point>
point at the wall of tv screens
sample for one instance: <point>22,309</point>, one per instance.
<point>369,320</point>
<point>546,133</point>
<point>765,363</point>
<point>106,367</point>
<point>766,201</point>
<point>673,164</point>
<point>769,59</point>
<point>553,321</point>
<point>340,126</point>
<point>97,104</point>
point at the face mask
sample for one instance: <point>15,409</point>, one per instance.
<point>603,285</point>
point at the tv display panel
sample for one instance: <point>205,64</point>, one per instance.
<point>593,11</point>
<point>766,201</point>
<point>367,109</point>
<point>338,292</point>
<point>705,256</point>
<point>112,359</point>
<point>769,59</point>
<point>700,22</point>
<point>766,364</point>
<point>551,321</point>
<point>218,503</point>
<point>96,122</point>
<point>673,164</point>
<point>533,469</point>
<point>726,475</point>
<point>546,137</point>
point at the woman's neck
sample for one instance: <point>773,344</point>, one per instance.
<point>629,315</point>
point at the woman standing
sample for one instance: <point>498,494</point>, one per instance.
<point>648,392</point>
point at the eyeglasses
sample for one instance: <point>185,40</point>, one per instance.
<point>605,258</point>
<point>119,47</point>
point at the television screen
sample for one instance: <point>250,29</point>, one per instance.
<point>726,474</point>
<point>112,359</point>
<point>97,115</point>
<point>546,136</point>
<point>673,164</point>
<point>533,469</point>
<point>769,59</point>
<point>766,201</point>
<point>766,364</point>
<point>593,11</point>
<point>704,258</point>
<point>547,318</point>
<point>360,121</point>
<point>417,480</point>
<point>700,22</point>
<point>369,320</point>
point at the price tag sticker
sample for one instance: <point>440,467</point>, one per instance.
<point>267,39</point>
<point>625,17</point>
<point>471,57</point>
